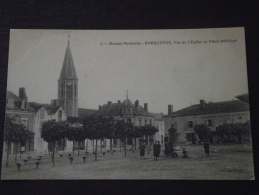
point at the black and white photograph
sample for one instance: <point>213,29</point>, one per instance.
<point>127,104</point>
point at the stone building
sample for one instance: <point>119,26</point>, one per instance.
<point>133,113</point>
<point>213,114</point>
<point>31,115</point>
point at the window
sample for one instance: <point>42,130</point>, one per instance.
<point>41,114</point>
<point>209,123</point>
<point>190,124</point>
<point>128,111</point>
<point>24,122</point>
<point>62,90</point>
<point>150,121</point>
<point>128,120</point>
<point>75,90</point>
<point>59,115</point>
<point>145,121</point>
<point>10,103</point>
<point>140,122</point>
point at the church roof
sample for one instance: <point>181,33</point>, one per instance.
<point>83,112</point>
<point>50,108</point>
<point>68,70</point>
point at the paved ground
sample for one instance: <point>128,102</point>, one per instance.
<point>225,162</point>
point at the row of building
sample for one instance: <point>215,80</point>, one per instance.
<point>32,114</point>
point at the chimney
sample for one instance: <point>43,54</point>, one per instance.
<point>22,94</point>
<point>119,102</point>
<point>136,103</point>
<point>109,104</point>
<point>202,103</point>
<point>100,107</point>
<point>145,107</point>
<point>170,109</point>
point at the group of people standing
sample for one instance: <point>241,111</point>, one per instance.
<point>156,147</point>
<point>168,149</point>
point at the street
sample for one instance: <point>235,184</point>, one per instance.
<point>224,163</point>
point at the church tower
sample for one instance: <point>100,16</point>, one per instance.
<point>68,85</point>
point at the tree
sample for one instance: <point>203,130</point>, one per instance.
<point>202,131</point>
<point>122,131</point>
<point>134,134</point>
<point>14,133</point>
<point>147,130</point>
<point>232,131</point>
<point>75,132</point>
<point>94,127</point>
<point>110,131</point>
<point>52,132</point>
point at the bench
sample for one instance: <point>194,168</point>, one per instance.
<point>26,162</point>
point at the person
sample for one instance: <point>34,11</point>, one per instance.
<point>184,152</point>
<point>166,139</point>
<point>159,148</point>
<point>207,148</point>
<point>167,149</point>
<point>156,148</point>
<point>142,150</point>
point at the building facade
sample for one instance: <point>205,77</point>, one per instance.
<point>135,114</point>
<point>211,114</point>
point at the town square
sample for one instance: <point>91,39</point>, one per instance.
<point>78,107</point>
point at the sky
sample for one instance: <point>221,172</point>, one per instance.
<point>179,74</point>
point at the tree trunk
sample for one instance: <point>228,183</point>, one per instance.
<point>135,142</point>
<point>101,145</point>
<point>7,152</point>
<point>132,145</point>
<point>53,155</point>
<point>111,146</point>
<point>125,147</point>
<point>16,150</point>
<point>48,149</point>
<point>147,144</point>
<point>20,151</point>
<point>78,148</point>
<point>120,145</point>
<point>86,145</point>
<point>73,148</point>
<point>96,150</point>
<point>93,145</point>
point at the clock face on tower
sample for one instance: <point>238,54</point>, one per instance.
<point>69,83</point>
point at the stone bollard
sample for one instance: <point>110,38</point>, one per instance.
<point>71,160</point>
<point>84,158</point>
<point>37,165</point>
<point>60,155</point>
<point>19,166</point>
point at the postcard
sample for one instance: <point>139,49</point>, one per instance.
<point>127,104</point>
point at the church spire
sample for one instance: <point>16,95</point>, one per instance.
<point>68,69</point>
